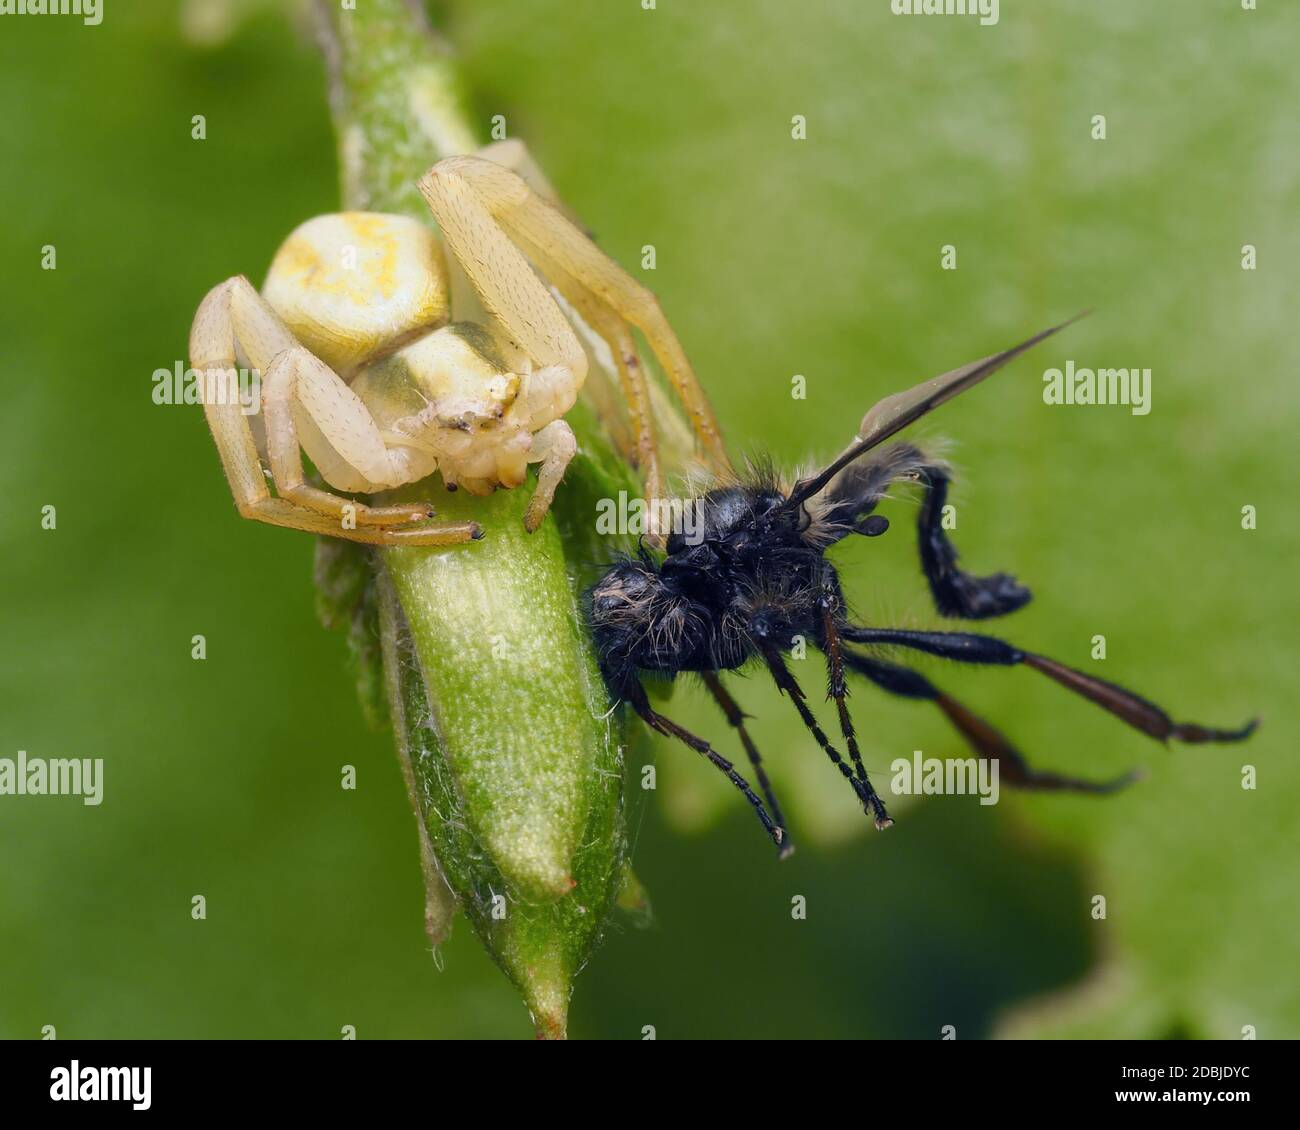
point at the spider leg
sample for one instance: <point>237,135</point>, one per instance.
<point>604,321</point>
<point>788,685</point>
<point>513,154</point>
<point>641,704</point>
<point>468,195</point>
<point>632,380</point>
<point>299,381</point>
<point>234,312</point>
<point>966,647</point>
<point>987,741</point>
<point>736,717</point>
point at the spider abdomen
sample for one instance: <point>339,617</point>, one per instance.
<point>351,284</point>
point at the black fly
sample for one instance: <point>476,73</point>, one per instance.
<point>754,576</point>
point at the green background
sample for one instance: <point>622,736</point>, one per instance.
<point>774,257</point>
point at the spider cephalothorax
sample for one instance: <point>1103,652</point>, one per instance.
<point>751,577</point>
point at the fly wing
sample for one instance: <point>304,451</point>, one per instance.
<point>896,412</point>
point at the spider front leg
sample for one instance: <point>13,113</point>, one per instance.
<point>234,319</point>
<point>299,384</point>
<point>642,451</point>
<point>484,210</point>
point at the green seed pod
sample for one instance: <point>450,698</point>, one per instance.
<point>515,756</point>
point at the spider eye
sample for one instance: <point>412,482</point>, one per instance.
<point>876,525</point>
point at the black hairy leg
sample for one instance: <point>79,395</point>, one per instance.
<point>736,718</point>
<point>986,740</point>
<point>861,487</point>
<point>966,647</point>
<point>836,687</point>
<point>788,685</point>
<point>956,593</point>
<point>641,704</point>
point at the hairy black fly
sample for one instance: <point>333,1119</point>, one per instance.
<point>754,576</point>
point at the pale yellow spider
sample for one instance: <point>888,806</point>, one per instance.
<point>363,368</point>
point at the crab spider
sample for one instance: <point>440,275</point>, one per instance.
<point>364,368</point>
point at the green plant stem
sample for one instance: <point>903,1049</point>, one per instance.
<point>509,747</point>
